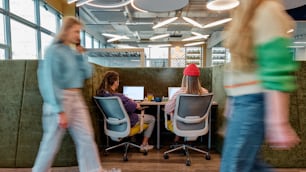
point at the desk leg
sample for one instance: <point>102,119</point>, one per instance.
<point>158,127</point>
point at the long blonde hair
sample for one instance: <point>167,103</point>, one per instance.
<point>68,22</point>
<point>192,85</point>
<point>239,35</point>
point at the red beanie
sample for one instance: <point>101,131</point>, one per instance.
<point>192,70</point>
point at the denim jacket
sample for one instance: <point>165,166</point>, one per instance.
<point>61,68</point>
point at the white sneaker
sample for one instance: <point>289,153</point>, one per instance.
<point>146,147</point>
<point>112,170</point>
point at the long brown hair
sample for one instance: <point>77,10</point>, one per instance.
<point>68,22</point>
<point>239,35</point>
<point>109,79</point>
<point>191,84</point>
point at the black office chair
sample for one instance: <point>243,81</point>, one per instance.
<point>117,124</point>
<point>191,119</point>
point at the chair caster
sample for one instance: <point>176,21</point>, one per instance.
<point>188,162</point>
<point>207,157</point>
<point>125,158</point>
<point>145,153</point>
<point>105,153</point>
<point>166,156</point>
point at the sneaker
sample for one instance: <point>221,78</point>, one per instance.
<point>146,147</point>
<point>112,170</point>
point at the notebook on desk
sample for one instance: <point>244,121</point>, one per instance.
<point>134,92</point>
<point>171,91</point>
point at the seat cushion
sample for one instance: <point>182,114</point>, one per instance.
<point>169,125</point>
<point>136,129</point>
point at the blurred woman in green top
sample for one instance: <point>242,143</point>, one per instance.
<point>258,82</point>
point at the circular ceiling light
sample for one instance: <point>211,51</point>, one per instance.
<point>160,5</point>
<point>220,5</point>
<point>102,4</point>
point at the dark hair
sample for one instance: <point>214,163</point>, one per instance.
<point>109,79</point>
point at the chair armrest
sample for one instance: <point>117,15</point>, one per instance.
<point>115,121</point>
<point>191,119</point>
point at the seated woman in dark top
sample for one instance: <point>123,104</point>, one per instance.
<point>109,87</point>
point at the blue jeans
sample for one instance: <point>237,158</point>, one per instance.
<point>244,135</point>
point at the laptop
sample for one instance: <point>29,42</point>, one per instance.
<point>134,92</point>
<point>171,91</point>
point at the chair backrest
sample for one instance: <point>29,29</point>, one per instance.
<point>191,115</point>
<point>116,120</point>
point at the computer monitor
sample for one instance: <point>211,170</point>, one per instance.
<point>134,92</point>
<point>171,91</point>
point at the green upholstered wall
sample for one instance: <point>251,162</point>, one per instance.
<point>20,110</point>
<point>21,103</point>
<point>20,117</point>
<point>296,157</point>
<point>155,80</point>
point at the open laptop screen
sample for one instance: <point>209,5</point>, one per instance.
<point>171,91</point>
<point>134,92</point>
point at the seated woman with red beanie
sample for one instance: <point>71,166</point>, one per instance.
<point>190,85</point>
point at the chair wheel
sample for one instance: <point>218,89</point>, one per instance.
<point>125,158</point>
<point>207,157</point>
<point>166,156</point>
<point>105,153</point>
<point>145,153</point>
<point>188,162</point>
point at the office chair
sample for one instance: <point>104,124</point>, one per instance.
<point>117,124</point>
<point>191,119</point>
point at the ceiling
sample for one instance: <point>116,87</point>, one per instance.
<point>138,25</point>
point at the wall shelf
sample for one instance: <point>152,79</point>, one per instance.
<point>219,56</point>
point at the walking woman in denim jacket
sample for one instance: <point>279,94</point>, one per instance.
<point>61,76</point>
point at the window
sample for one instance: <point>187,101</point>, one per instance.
<point>46,40</point>
<point>1,29</point>
<point>177,57</point>
<point>88,40</point>
<point>24,44</point>
<point>82,37</point>
<point>23,29</point>
<point>48,18</point>
<point>23,9</point>
<point>2,54</point>
<point>96,43</point>
<point>158,57</point>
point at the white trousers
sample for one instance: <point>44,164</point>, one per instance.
<point>80,129</point>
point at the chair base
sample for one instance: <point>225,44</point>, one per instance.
<point>126,147</point>
<point>186,152</point>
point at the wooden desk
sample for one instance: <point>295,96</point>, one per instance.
<point>158,104</point>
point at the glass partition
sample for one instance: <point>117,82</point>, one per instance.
<point>116,57</point>
<point>1,29</point>
<point>2,54</point>
<point>298,47</point>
